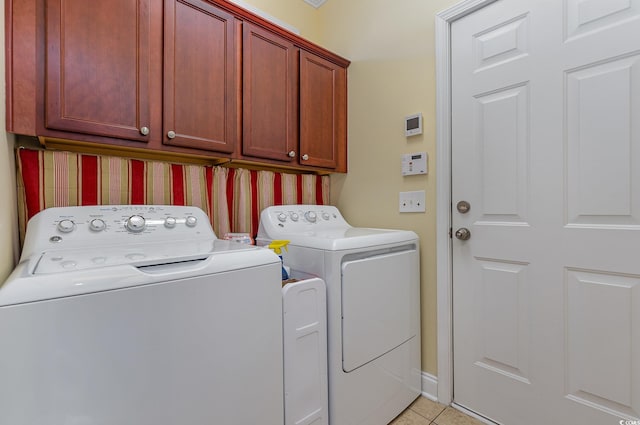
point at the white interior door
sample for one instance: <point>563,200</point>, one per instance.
<point>546,150</point>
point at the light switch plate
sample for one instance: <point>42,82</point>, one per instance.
<point>412,201</point>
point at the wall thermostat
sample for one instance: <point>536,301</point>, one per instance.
<point>412,125</point>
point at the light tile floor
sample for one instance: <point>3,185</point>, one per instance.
<point>426,412</point>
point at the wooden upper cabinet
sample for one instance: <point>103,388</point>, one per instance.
<point>270,103</point>
<point>97,67</point>
<point>201,76</point>
<point>323,113</point>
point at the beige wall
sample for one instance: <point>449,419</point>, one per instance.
<point>392,74</point>
<point>8,215</point>
<point>296,13</point>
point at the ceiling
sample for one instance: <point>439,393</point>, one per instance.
<point>315,3</point>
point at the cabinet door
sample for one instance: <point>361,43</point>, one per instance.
<point>270,118</point>
<point>97,67</point>
<point>323,103</point>
<point>200,76</point>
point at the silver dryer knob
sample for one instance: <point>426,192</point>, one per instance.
<point>311,216</point>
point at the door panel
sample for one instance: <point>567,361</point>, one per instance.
<point>600,308</point>
<point>546,149</point>
<point>270,93</point>
<point>502,43</point>
<point>323,130</point>
<point>88,45</point>
<point>502,133</point>
<point>200,76</point>
<point>596,167</point>
<point>503,318</point>
<point>586,16</point>
<point>375,294</point>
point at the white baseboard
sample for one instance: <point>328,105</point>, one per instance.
<point>473,414</point>
<point>430,386</point>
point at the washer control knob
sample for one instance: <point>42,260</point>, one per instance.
<point>326,215</point>
<point>191,221</point>
<point>311,216</point>
<point>295,216</point>
<point>170,222</point>
<point>282,217</point>
<point>97,225</point>
<point>135,223</point>
<point>66,226</point>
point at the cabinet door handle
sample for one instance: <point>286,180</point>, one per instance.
<point>292,154</point>
<point>144,131</point>
<point>305,157</point>
<point>171,134</point>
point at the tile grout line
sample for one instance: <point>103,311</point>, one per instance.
<point>437,416</point>
<point>431,421</point>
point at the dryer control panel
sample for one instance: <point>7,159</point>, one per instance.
<point>67,228</point>
<point>300,218</point>
<point>322,227</point>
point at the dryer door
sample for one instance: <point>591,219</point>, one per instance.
<point>379,298</point>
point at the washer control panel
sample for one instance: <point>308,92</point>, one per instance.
<point>95,226</point>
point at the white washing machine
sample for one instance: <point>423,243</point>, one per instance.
<point>138,315</point>
<point>372,280</point>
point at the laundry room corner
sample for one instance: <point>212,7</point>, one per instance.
<point>391,76</point>
<point>8,218</point>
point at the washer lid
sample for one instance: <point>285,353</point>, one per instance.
<point>61,261</point>
<point>204,259</point>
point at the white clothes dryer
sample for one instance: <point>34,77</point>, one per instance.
<point>139,315</point>
<point>372,281</point>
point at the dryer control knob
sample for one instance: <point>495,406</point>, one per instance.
<point>294,216</point>
<point>97,225</point>
<point>135,223</point>
<point>326,216</point>
<point>191,221</point>
<point>66,226</point>
<point>311,216</point>
<point>170,222</point>
<point>282,217</point>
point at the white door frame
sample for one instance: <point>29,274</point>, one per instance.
<point>444,262</point>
